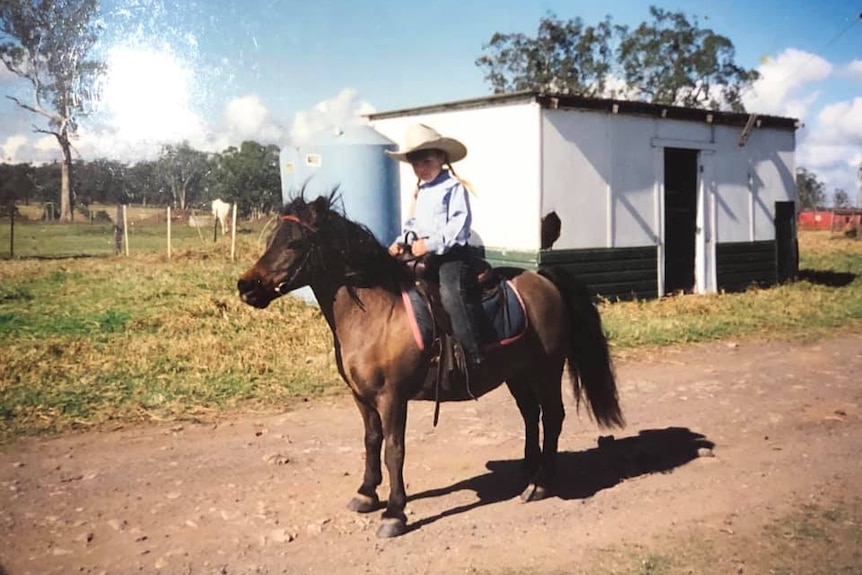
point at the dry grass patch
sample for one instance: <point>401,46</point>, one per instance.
<point>95,340</point>
<point>827,297</point>
<point>89,340</point>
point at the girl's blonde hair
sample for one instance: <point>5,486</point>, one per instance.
<point>445,157</point>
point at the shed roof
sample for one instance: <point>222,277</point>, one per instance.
<point>626,107</point>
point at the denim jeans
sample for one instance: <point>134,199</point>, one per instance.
<point>461,297</point>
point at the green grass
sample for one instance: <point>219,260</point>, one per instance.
<point>91,340</point>
<point>55,240</point>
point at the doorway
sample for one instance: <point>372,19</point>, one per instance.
<point>680,219</point>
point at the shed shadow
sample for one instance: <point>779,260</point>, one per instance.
<point>826,278</point>
<point>581,474</point>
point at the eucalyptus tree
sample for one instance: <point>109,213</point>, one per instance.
<point>49,43</point>
<point>564,56</point>
<point>840,198</point>
<point>183,170</point>
<point>669,60</point>
<point>810,191</point>
<point>16,183</point>
<point>248,175</point>
<point>672,60</point>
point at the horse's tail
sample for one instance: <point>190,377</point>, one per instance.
<point>589,358</point>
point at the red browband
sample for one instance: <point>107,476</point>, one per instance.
<point>296,220</point>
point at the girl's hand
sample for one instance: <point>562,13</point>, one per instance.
<point>396,249</point>
<point>419,248</point>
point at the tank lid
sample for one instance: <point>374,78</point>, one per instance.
<point>349,135</point>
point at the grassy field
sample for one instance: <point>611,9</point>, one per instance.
<point>101,339</point>
<point>827,297</point>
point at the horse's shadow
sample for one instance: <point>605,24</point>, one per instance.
<point>581,474</point>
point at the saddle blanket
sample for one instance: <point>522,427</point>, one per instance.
<point>504,310</point>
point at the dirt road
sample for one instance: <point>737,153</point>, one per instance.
<point>268,493</point>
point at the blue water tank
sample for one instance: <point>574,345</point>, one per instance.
<point>353,159</point>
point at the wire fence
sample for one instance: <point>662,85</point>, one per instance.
<point>125,231</point>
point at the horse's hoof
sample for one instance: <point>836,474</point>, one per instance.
<point>392,527</point>
<point>534,492</point>
<point>364,504</point>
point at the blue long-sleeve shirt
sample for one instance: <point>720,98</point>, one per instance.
<point>441,214</point>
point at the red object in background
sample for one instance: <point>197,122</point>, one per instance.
<point>834,220</point>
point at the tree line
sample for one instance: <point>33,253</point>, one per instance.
<point>181,177</point>
<point>670,58</point>
<point>248,175</point>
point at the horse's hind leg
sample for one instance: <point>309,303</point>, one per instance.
<point>553,414</point>
<point>543,397</point>
<point>366,499</point>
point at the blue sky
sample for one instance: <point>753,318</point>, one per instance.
<point>215,72</point>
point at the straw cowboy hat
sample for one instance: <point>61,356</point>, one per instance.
<point>421,137</point>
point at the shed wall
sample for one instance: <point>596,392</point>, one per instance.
<point>502,165</point>
<point>602,174</point>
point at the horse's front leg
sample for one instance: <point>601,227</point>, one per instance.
<point>394,415</point>
<point>366,499</point>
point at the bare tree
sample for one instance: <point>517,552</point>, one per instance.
<point>47,42</point>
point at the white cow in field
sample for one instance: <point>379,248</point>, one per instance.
<point>221,211</point>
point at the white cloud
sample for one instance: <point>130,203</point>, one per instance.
<point>781,79</point>
<point>21,148</point>
<point>246,115</point>
<point>248,119</point>
<point>9,149</point>
<point>853,69</point>
<point>793,84</point>
<point>124,136</point>
<point>841,122</point>
<point>832,146</point>
<point>345,109</point>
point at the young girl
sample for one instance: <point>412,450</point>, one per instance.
<point>440,226</point>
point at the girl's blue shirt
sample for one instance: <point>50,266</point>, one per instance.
<point>441,214</point>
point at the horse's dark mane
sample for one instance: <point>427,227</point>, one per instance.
<point>340,243</point>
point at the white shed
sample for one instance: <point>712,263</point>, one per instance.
<point>637,199</point>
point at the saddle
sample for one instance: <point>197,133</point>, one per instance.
<point>447,353</point>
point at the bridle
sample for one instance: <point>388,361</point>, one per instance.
<point>280,288</point>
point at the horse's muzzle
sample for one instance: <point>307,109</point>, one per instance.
<point>251,291</point>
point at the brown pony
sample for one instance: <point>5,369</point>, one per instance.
<point>359,288</point>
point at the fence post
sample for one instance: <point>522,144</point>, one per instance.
<point>12,210</point>
<point>125,230</point>
<point>233,234</point>
<point>118,230</point>
<point>169,233</point>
